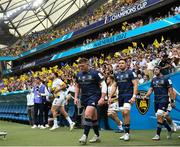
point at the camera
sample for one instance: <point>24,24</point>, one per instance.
<point>37,88</point>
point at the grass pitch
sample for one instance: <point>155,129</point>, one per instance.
<point>23,135</point>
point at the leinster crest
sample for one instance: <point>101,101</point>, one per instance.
<point>142,105</point>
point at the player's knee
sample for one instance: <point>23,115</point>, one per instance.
<point>127,107</point>
<point>160,113</point>
<point>126,112</point>
<point>88,117</point>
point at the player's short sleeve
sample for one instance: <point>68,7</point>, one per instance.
<point>99,77</point>
<point>60,82</point>
<point>151,85</point>
<point>76,78</point>
<point>169,83</point>
<point>133,75</point>
<point>115,75</point>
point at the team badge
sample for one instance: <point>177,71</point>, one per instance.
<point>142,105</point>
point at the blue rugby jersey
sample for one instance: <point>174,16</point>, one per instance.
<point>89,82</point>
<point>160,86</point>
<point>124,83</point>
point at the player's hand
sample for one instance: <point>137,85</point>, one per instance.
<point>39,93</point>
<point>101,101</point>
<point>132,100</point>
<point>109,100</point>
<point>173,105</point>
<point>76,101</point>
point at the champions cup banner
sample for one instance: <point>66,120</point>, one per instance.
<point>137,7</point>
<point>116,38</point>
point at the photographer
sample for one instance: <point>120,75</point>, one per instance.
<point>40,92</point>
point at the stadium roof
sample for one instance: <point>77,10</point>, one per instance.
<point>21,17</point>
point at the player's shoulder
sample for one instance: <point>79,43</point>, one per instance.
<point>94,71</point>
<point>79,74</point>
<point>154,78</point>
<point>129,71</point>
<point>59,80</point>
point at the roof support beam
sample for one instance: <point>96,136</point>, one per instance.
<point>12,23</point>
<point>65,12</point>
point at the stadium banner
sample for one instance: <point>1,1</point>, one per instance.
<point>28,65</point>
<point>116,38</point>
<point>142,111</point>
<point>7,71</point>
<point>137,7</point>
<point>48,44</point>
<point>7,58</point>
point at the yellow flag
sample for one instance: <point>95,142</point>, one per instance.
<point>67,67</point>
<point>156,43</point>
<point>43,68</point>
<point>75,65</point>
<point>123,28</point>
<point>142,44</point>
<point>55,67</point>
<point>60,72</point>
<point>134,44</point>
<point>125,51</point>
<point>117,54</point>
<point>125,23</point>
<point>129,47</point>
<point>162,39</point>
<point>50,71</point>
<point>78,59</point>
<point>108,57</point>
<point>101,61</point>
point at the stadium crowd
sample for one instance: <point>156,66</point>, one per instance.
<point>30,41</point>
<point>141,59</point>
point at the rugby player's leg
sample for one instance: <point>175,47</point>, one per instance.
<point>164,107</point>
<point>168,118</point>
<point>159,116</point>
<point>126,115</point>
<point>125,108</point>
<point>65,114</point>
<point>89,112</point>
<point>114,116</point>
<point>54,109</point>
<point>95,126</point>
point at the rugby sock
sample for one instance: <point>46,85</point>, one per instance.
<point>95,127</point>
<point>127,128</point>
<point>159,127</point>
<point>119,127</point>
<point>55,122</point>
<point>87,126</point>
<point>167,125</point>
<point>69,120</point>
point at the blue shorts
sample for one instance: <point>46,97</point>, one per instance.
<point>161,106</point>
<point>123,99</point>
<point>90,101</point>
